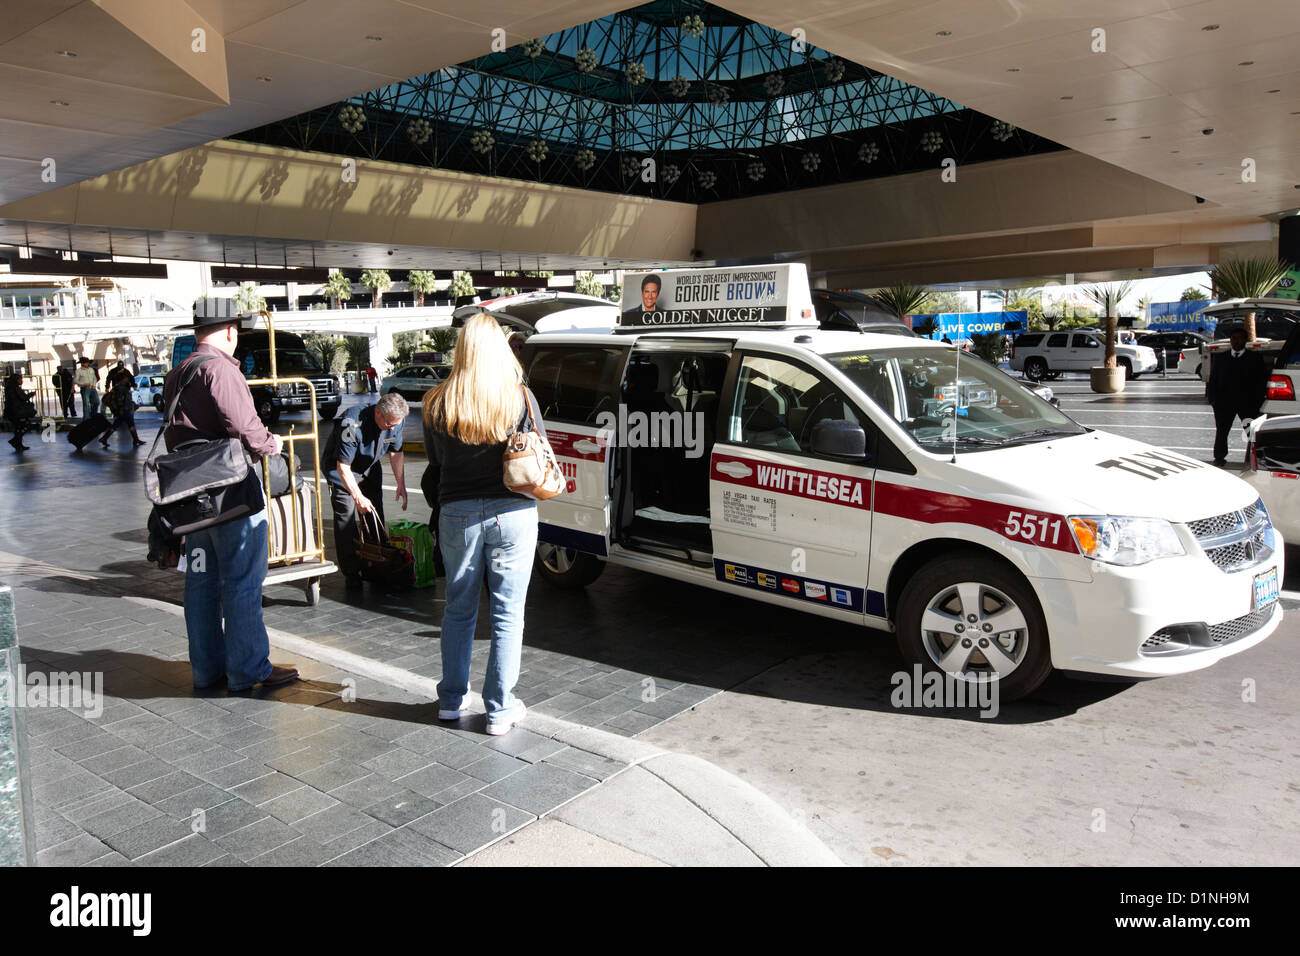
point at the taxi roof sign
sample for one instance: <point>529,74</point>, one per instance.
<point>773,296</point>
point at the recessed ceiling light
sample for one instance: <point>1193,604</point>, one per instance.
<point>264,79</point>
<point>943,33</point>
<point>373,37</point>
<point>1210,26</point>
<point>65,52</point>
<point>1111,119</point>
<point>1174,151</point>
<point>1272,91</point>
<point>1067,97</point>
<point>1246,63</point>
<point>59,102</point>
<point>1144,137</point>
<point>1013,69</point>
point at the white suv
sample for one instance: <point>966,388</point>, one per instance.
<point>1046,354</point>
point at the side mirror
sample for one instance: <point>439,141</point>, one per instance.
<point>839,438</point>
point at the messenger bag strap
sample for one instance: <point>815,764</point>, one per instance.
<point>191,367</point>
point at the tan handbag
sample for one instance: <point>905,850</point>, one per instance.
<point>528,466</point>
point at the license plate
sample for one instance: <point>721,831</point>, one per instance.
<point>1265,590</point>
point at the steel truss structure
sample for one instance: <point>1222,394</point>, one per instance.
<point>654,102</point>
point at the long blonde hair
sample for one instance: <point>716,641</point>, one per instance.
<point>481,401</point>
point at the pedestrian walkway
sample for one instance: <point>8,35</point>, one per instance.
<point>350,766</point>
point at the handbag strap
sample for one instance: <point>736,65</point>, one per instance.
<point>528,424</point>
<point>381,535</point>
<point>191,366</point>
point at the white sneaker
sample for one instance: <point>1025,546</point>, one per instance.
<point>455,714</point>
<point>502,726</point>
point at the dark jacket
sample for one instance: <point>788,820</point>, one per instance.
<point>1239,384</point>
<point>458,471</point>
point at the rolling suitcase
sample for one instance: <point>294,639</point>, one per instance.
<point>279,521</point>
<point>86,432</point>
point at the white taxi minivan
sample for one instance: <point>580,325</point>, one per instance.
<point>719,436</point>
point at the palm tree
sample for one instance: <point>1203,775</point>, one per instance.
<point>462,284</point>
<point>927,327</point>
<point>1247,279</point>
<point>339,288</point>
<point>378,282</point>
<point>901,299</point>
<point>326,348</point>
<point>421,282</point>
<point>1108,296</point>
<point>443,339</point>
<point>247,298</point>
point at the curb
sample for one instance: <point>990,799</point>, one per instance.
<point>748,814</point>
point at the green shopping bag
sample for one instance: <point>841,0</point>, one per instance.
<point>416,539</point>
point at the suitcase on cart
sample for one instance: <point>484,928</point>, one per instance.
<point>279,521</point>
<point>86,432</point>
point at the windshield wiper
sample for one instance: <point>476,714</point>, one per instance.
<point>961,440</point>
<point>1038,433</point>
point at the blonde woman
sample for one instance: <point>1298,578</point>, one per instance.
<point>484,531</point>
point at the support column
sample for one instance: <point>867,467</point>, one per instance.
<point>381,344</point>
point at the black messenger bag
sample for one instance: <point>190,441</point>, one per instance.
<point>201,483</point>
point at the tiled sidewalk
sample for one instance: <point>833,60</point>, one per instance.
<point>301,775</point>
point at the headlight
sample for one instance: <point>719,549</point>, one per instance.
<point>1125,541</point>
<point>284,390</point>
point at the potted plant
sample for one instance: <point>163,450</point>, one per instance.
<point>1108,377</point>
<point>358,348</point>
<point>378,282</point>
<point>420,282</point>
<point>901,299</point>
<point>1247,279</point>
<point>339,288</point>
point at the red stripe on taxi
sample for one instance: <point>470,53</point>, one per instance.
<point>1023,525</point>
<point>564,444</point>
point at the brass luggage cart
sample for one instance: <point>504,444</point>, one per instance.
<point>308,563</point>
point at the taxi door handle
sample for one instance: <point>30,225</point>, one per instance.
<point>586,446</point>
<point>734,469</point>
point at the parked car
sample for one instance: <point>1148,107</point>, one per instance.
<point>546,312</point>
<point>1275,320</point>
<point>1170,346</point>
<point>1273,468</point>
<point>147,391</point>
<point>292,359</point>
<point>855,312</point>
<point>412,381</point>
<point>1042,355</point>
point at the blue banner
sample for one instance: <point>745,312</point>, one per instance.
<point>961,325</point>
<point>1180,316</point>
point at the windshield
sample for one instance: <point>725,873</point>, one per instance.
<point>919,388</point>
<point>288,362</point>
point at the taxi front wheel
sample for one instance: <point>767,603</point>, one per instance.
<point>974,620</point>
<point>566,568</point>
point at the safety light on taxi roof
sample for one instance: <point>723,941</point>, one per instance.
<point>1125,541</point>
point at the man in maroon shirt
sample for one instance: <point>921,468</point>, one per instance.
<point>225,564</point>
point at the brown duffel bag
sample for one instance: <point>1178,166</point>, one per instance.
<point>382,562</point>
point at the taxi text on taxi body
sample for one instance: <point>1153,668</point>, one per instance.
<point>893,482</point>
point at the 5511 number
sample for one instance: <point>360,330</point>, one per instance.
<point>1029,527</point>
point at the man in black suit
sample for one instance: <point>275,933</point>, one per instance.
<point>1237,386</point>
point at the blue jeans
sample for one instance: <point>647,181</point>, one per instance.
<point>89,401</point>
<point>224,569</point>
<point>496,538</point>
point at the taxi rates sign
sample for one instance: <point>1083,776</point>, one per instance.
<point>739,295</point>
